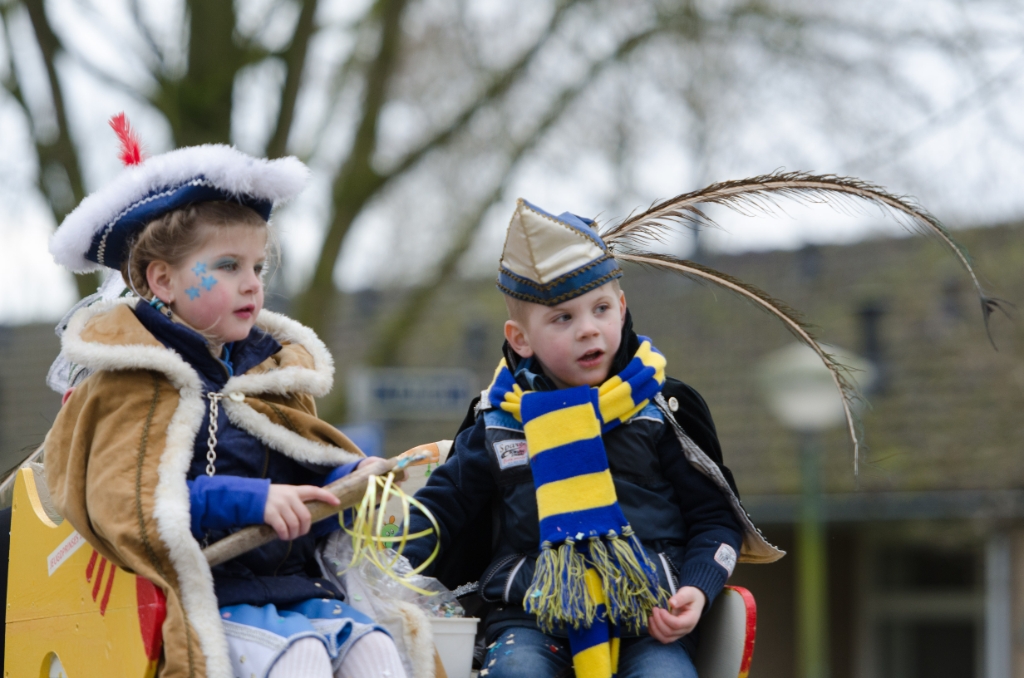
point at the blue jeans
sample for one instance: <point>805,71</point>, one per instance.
<point>521,652</point>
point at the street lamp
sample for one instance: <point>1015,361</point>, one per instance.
<point>801,393</point>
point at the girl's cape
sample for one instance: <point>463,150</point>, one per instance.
<point>120,448</point>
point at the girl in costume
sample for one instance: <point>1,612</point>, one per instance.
<point>191,415</point>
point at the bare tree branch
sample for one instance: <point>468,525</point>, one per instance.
<point>981,95</point>
<point>61,151</point>
<point>357,180</point>
<point>147,35</point>
<point>501,84</point>
<point>106,28</point>
<point>295,61</point>
<point>11,82</point>
<point>397,328</point>
<point>105,76</point>
<point>338,80</point>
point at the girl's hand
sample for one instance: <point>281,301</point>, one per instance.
<point>686,607</point>
<point>286,512</point>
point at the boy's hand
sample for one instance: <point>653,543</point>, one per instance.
<point>286,512</point>
<point>399,475</point>
<point>686,607</point>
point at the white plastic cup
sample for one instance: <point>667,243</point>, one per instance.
<point>453,637</point>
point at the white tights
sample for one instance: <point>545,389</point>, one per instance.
<point>372,656</point>
<point>306,657</point>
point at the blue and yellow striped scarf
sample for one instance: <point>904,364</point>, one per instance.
<point>592,574</point>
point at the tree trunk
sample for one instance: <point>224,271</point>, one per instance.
<point>357,181</point>
<point>60,154</point>
<point>198,106</point>
<point>295,61</point>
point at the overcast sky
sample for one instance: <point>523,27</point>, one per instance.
<point>963,159</point>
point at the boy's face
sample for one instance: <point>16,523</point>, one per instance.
<point>218,289</point>
<point>574,341</point>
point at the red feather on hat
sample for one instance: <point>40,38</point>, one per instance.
<point>131,147</point>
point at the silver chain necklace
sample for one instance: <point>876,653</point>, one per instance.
<point>211,441</point>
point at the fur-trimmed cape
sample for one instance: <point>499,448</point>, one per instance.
<point>120,448</point>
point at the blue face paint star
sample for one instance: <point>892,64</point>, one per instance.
<point>199,268</point>
<point>208,282</point>
<point>192,292</point>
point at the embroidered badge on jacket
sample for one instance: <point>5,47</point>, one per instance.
<point>511,453</point>
<point>726,557</point>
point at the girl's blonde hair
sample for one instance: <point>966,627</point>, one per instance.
<point>179,233</point>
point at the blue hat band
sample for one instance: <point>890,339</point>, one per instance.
<point>569,286</point>
<point>110,245</point>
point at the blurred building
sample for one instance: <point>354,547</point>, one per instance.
<point>926,546</point>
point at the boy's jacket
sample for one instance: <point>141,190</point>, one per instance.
<point>473,554</point>
<point>120,448</point>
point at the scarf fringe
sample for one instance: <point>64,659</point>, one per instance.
<point>611,576</point>
<point>558,594</point>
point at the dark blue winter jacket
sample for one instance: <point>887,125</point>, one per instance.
<point>681,517</point>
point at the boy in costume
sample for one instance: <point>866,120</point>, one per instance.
<point>615,524</point>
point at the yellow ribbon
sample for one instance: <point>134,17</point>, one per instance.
<point>369,522</point>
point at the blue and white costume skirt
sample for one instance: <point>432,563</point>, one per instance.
<point>258,636</point>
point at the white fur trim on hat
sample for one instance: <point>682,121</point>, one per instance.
<point>225,167</point>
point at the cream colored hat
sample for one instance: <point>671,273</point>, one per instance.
<point>549,259</point>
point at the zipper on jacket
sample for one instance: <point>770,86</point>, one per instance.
<point>669,576</point>
<point>512,575</point>
<point>493,570</point>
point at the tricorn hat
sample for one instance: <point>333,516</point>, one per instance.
<point>99,231</point>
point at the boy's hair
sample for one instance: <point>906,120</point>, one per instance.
<point>179,233</point>
<point>517,307</point>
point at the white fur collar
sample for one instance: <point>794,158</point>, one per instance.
<point>151,355</point>
<point>316,382</point>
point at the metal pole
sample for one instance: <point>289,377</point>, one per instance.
<point>812,593</point>
<point>998,607</point>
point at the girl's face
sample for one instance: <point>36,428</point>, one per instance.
<point>218,289</point>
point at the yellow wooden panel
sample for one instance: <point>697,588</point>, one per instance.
<point>56,590</point>
<point>88,647</point>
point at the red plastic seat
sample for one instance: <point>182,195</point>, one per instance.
<point>727,635</point>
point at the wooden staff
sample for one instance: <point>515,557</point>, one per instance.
<point>350,490</point>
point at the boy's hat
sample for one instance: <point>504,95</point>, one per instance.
<point>98,232</point>
<point>549,259</point>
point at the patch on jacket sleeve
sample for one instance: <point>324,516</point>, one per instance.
<point>511,453</point>
<point>726,557</point>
